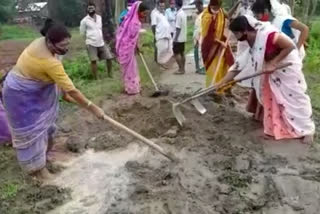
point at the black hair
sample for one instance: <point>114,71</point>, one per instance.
<point>215,3</point>
<point>198,2</point>
<point>240,24</point>
<point>143,7</point>
<point>260,6</point>
<point>57,33</point>
<point>48,23</point>
<point>179,3</point>
<point>160,1</point>
<point>91,4</point>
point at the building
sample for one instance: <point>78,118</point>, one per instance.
<point>32,13</point>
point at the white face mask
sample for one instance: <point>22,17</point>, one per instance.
<point>59,57</point>
<point>214,11</point>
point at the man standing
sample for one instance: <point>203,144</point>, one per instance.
<point>197,38</point>
<point>171,14</point>
<point>153,16</point>
<point>180,37</point>
<point>162,32</point>
<point>91,29</point>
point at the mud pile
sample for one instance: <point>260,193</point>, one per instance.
<point>225,166</point>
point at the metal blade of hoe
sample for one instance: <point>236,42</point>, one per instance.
<point>178,114</point>
<point>200,108</point>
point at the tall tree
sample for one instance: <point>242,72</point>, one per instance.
<point>6,10</point>
<point>68,12</point>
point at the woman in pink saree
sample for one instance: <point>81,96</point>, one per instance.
<point>126,46</point>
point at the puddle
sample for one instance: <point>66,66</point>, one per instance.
<point>97,180</point>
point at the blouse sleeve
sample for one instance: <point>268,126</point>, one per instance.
<point>57,73</point>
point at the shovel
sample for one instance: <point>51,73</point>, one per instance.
<point>177,112</point>
<point>195,102</point>
<point>146,141</point>
<point>157,92</point>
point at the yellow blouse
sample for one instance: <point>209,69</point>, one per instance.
<point>37,62</point>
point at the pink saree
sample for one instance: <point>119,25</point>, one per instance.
<point>127,39</point>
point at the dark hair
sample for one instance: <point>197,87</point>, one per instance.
<point>48,23</point>
<point>143,7</point>
<point>160,2</point>
<point>179,3</point>
<point>57,33</point>
<point>198,2</point>
<point>260,6</point>
<point>91,4</point>
<point>240,24</point>
<point>215,3</point>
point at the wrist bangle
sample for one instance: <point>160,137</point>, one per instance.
<point>89,104</point>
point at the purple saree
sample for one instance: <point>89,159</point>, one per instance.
<point>32,109</point>
<point>4,128</point>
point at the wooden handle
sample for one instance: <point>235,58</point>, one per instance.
<point>220,58</point>
<point>232,82</point>
<point>148,71</point>
<point>140,137</point>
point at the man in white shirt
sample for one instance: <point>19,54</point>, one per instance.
<point>153,16</point>
<point>180,37</point>
<point>171,14</point>
<point>162,32</point>
<point>91,29</point>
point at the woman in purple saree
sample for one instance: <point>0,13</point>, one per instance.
<point>126,46</point>
<point>4,128</point>
<point>30,97</point>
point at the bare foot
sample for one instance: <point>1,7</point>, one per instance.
<point>308,139</point>
<point>42,175</point>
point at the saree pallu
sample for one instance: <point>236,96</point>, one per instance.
<point>286,105</point>
<point>5,135</point>
<point>32,109</point>
<point>126,44</point>
<point>212,28</point>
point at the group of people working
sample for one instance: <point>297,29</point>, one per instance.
<point>267,36</point>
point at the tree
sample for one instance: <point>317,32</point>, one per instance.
<point>6,10</point>
<point>68,12</point>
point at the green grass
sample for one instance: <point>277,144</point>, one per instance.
<point>312,64</point>
<point>8,191</point>
<point>17,32</point>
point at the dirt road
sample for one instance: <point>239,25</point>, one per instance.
<point>225,166</point>
<point>9,53</point>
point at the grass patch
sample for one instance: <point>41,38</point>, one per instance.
<point>312,64</point>
<point>17,32</point>
<point>8,191</point>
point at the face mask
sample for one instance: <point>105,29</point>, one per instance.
<point>92,12</point>
<point>265,18</point>
<point>141,16</point>
<point>214,11</point>
<point>60,51</point>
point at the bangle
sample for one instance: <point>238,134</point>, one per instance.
<point>89,104</point>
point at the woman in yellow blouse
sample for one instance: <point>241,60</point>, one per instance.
<point>30,97</point>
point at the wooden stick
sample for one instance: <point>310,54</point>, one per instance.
<point>140,137</point>
<point>220,58</point>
